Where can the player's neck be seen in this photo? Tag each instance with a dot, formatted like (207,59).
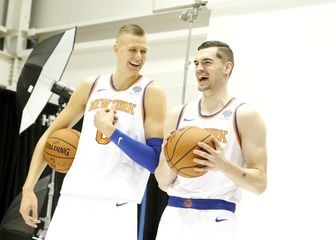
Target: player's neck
(124,81)
(213,102)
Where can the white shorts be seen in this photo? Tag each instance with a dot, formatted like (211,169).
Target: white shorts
(81,217)
(194,224)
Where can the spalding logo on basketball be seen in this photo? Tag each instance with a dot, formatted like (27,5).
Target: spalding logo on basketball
(60,149)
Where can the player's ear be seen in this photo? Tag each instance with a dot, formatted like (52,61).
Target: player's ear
(116,47)
(228,67)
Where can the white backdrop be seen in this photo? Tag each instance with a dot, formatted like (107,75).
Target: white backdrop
(285,65)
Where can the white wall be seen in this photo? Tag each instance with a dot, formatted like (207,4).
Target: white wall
(285,67)
(6,63)
(57,12)
(166,66)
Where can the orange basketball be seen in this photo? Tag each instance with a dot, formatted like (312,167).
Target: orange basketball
(60,149)
(179,150)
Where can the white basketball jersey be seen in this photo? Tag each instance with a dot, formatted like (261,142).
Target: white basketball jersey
(100,168)
(213,184)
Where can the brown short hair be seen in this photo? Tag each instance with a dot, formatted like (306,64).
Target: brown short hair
(131,29)
(224,51)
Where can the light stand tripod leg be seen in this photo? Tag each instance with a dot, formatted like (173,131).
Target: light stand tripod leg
(41,234)
(186,65)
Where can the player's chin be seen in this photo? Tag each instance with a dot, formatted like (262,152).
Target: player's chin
(203,88)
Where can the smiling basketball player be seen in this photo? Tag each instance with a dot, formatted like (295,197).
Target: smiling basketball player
(203,207)
(119,146)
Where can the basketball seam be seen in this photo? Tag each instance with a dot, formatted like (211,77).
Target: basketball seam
(188,151)
(56,168)
(168,159)
(173,152)
(191,166)
(75,132)
(187,129)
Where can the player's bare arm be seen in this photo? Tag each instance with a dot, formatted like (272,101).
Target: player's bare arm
(253,139)
(70,115)
(155,111)
(164,175)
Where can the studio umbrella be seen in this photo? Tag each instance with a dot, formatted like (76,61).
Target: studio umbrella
(41,74)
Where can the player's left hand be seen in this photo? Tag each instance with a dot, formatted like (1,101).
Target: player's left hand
(105,120)
(211,158)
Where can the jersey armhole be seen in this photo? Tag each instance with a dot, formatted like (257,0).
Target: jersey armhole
(143,109)
(235,124)
(180,116)
(93,86)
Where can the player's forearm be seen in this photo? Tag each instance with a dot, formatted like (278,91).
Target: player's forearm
(145,154)
(163,180)
(164,175)
(251,179)
(36,168)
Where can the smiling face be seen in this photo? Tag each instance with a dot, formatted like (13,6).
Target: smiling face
(211,72)
(131,51)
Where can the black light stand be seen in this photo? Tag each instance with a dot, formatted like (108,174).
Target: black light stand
(64,93)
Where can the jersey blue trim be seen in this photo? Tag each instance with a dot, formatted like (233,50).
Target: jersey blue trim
(180,116)
(93,86)
(211,115)
(146,155)
(236,122)
(143,100)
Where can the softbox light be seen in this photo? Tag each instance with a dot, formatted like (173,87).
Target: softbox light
(41,74)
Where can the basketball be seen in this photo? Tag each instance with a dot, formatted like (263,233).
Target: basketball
(179,149)
(60,149)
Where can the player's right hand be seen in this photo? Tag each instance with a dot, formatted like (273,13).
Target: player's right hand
(28,208)
(105,120)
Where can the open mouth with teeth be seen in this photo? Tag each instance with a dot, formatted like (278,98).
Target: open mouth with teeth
(137,65)
(203,78)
